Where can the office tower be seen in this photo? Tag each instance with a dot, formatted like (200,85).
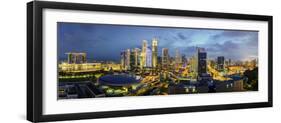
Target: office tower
(154,52)
(198,62)
(143,54)
(137,55)
(123,57)
(132,59)
(193,64)
(202,61)
(227,62)
(178,58)
(220,63)
(148,57)
(199,66)
(165,57)
(128,60)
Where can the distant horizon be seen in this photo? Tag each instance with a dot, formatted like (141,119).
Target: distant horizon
(103,42)
(94,59)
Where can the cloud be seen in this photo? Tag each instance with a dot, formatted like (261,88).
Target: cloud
(230,50)
(181,36)
(106,41)
(230,34)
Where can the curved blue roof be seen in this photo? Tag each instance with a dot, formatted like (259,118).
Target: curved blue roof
(118,80)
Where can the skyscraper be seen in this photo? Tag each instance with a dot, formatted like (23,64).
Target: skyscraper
(184,60)
(199,62)
(143,54)
(123,57)
(128,60)
(178,58)
(202,61)
(200,66)
(137,55)
(220,63)
(193,64)
(148,57)
(132,59)
(165,57)
(154,52)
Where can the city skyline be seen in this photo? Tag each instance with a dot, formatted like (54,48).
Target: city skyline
(153,61)
(93,39)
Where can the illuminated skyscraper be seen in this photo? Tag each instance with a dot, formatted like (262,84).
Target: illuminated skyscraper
(154,52)
(148,57)
(137,57)
(165,57)
(143,54)
(132,59)
(184,61)
(199,62)
(178,58)
(128,60)
(123,59)
(193,64)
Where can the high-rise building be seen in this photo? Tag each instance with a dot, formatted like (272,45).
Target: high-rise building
(199,62)
(148,57)
(184,60)
(128,60)
(202,61)
(70,58)
(165,57)
(201,66)
(193,64)
(154,52)
(132,59)
(76,58)
(178,58)
(143,54)
(123,57)
(137,57)
(220,63)
(229,62)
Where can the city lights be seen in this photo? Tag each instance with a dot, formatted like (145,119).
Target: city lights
(151,67)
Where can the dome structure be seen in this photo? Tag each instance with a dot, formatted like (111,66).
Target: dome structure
(118,80)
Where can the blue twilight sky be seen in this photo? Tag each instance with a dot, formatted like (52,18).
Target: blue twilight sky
(105,42)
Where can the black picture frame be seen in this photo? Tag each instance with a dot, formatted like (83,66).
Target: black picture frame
(35,69)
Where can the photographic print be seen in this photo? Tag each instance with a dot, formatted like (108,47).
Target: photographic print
(107,60)
(84,57)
